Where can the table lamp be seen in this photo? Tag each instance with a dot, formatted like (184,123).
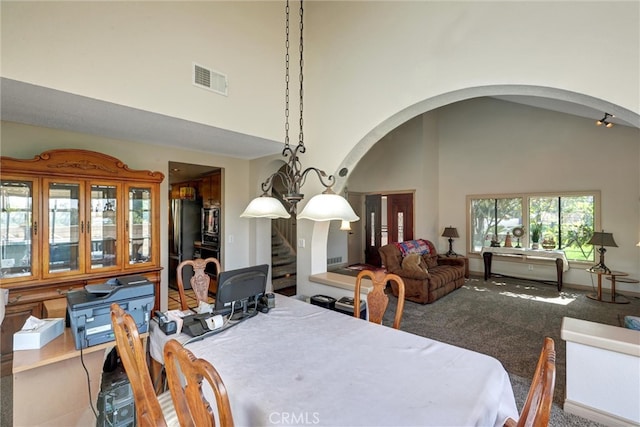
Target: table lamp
(451,233)
(602,239)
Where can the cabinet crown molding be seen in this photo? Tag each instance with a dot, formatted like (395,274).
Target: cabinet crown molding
(78,163)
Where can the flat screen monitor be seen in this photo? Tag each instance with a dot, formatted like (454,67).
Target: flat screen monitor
(240,290)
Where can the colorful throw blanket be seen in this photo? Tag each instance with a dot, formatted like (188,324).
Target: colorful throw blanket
(419,246)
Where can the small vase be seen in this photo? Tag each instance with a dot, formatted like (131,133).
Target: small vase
(534,245)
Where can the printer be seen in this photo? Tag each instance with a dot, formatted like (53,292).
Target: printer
(89,309)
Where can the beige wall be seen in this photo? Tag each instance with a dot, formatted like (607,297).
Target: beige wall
(140,54)
(489,146)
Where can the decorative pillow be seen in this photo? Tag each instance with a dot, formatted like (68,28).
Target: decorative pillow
(419,246)
(630,322)
(414,262)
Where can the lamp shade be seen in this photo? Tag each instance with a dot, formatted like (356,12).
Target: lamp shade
(602,239)
(265,207)
(450,232)
(327,207)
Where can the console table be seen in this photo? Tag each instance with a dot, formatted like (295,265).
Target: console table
(562,264)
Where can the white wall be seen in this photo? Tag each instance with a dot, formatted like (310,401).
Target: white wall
(25,142)
(140,54)
(489,146)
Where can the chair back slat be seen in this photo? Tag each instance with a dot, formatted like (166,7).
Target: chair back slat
(133,356)
(185,375)
(377,299)
(199,281)
(536,410)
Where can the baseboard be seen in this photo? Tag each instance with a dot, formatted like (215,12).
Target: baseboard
(597,415)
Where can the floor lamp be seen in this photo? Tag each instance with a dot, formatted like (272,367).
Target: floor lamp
(451,233)
(601,239)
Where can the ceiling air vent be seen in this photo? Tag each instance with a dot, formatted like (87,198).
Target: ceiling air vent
(207,78)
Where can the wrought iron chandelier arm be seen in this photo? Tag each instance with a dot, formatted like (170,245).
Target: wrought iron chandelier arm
(267,185)
(322,175)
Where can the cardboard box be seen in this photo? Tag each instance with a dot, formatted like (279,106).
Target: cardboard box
(39,337)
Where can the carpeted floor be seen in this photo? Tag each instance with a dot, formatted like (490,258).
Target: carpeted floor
(508,319)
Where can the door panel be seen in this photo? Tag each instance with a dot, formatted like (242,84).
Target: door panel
(400,217)
(373,229)
(354,238)
(399,222)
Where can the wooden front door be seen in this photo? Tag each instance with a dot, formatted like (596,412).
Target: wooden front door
(396,226)
(400,217)
(373,229)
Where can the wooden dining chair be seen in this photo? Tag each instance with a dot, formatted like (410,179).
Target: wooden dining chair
(192,407)
(377,299)
(537,408)
(200,280)
(151,410)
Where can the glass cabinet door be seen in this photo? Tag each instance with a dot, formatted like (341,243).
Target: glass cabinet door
(18,229)
(64,224)
(103,226)
(140,225)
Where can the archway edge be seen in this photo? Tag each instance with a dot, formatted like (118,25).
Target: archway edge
(319,231)
(432,103)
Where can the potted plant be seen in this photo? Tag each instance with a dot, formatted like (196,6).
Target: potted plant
(549,242)
(536,229)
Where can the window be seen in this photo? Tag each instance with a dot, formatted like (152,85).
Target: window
(566,221)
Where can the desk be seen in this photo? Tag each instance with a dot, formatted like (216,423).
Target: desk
(50,384)
(302,364)
(562,264)
(611,275)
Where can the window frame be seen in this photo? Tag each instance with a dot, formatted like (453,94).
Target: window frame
(526,214)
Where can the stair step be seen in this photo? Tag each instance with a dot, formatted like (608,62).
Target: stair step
(283,271)
(282,260)
(283,282)
(282,250)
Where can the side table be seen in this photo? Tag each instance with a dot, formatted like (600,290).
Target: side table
(611,275)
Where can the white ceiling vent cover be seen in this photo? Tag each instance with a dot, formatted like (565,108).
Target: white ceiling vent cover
(207,78)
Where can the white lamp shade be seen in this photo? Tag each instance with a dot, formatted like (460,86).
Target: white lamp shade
(327,207)
(265,207)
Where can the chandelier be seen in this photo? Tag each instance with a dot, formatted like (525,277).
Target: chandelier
(322,207)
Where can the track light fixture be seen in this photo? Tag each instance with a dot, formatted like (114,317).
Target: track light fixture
(604,121)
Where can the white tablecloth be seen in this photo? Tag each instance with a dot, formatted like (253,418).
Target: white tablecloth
(530,253)
(304,365)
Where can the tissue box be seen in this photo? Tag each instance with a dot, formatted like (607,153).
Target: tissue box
(39,337)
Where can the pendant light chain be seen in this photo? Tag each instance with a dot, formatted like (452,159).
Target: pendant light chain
(286,80)
(301,137)
(323,207)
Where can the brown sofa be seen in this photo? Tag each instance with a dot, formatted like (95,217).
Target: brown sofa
(443,275)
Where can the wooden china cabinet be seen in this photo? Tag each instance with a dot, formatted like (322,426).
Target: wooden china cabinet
(69,218)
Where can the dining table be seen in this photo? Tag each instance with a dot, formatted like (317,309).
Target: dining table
(302,364)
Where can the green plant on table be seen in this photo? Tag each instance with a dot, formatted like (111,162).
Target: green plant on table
(536,230)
